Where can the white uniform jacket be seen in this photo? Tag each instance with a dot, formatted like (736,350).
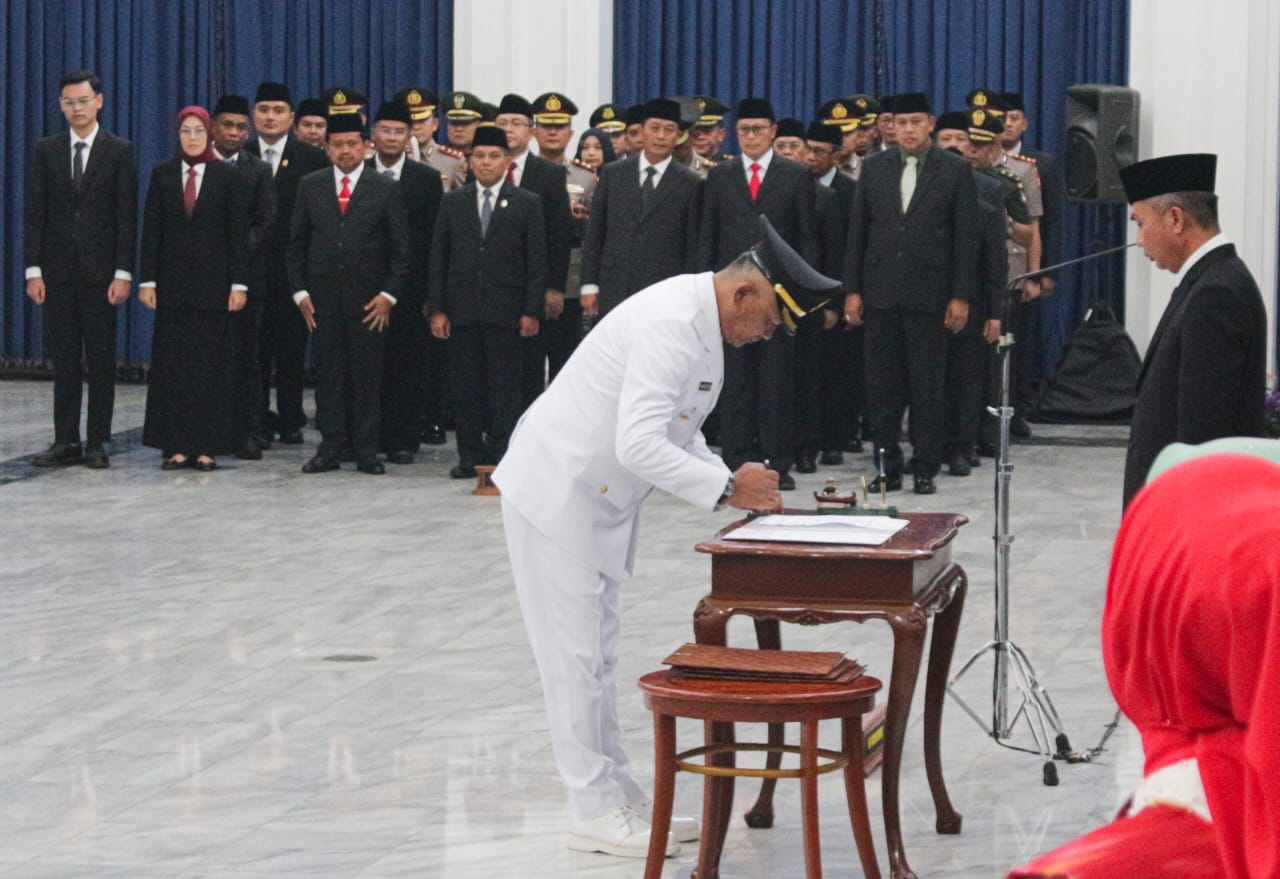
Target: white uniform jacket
(623,417)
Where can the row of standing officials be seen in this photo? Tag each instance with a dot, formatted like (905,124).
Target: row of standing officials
(456,280)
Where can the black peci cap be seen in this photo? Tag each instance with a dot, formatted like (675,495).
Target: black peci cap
(273,91)
(957,120)
(820,131)
(394,111)
(312,107)
(661,108)
(490,135)
(343,123)
(1188,172)
(756,108)
(237,104)
(911,102)
(788,127)
(515,104)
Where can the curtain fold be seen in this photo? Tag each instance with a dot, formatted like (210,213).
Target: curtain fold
(154,56)
(799,52)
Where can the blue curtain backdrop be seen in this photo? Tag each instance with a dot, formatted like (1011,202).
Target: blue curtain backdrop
(154,56)
(801,52)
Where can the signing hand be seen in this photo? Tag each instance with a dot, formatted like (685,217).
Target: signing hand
(755,488)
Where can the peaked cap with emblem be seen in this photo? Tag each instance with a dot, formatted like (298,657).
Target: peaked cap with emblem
(984,125)
(609,117)
(420,100)
(553,108)
(987,100)
(711,111)
(462,107)
(342,100)
(840,114)
(799,287)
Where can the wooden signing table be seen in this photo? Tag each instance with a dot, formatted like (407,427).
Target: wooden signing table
(903,582)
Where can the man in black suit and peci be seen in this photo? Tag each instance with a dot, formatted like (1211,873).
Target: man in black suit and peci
(81,234)
(348,265)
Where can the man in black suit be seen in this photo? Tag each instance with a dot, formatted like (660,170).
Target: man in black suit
(644,217)
(284,334)
(756,410)
(408,355)
(910,270)
(547,181)
(828,376)
(81,232)
(1204,376)
(349,263)
(230,131)
(488,284)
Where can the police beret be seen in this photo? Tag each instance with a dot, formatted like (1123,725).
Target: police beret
(490,136)
(1188,172)
(273,91)
(238,104)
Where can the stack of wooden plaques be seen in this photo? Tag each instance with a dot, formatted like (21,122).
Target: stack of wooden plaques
(740,664)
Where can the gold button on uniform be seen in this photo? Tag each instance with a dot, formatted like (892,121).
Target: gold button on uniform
(604,489)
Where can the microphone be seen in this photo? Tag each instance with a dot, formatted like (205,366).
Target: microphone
(1053,268)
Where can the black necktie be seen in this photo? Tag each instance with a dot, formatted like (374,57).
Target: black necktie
(646,189)
(77,165)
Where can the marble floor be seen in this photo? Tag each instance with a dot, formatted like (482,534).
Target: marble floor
(256,673)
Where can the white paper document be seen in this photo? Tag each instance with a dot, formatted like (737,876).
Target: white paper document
(851,530)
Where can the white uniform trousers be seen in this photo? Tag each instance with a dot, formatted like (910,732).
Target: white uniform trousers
(571,612)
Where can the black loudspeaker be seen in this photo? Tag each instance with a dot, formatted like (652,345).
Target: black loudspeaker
(1102,137)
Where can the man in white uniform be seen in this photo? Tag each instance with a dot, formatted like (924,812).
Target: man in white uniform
(622,418)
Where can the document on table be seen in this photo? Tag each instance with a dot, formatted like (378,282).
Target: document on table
(850,530)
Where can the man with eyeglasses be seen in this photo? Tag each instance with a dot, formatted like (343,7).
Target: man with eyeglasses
(757,409)
(547,181)
(81,232)
(407,359)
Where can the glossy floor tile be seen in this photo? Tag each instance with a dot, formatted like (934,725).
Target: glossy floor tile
(257,673)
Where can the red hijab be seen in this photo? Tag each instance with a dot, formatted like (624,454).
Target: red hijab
(1191,642)
(203,115)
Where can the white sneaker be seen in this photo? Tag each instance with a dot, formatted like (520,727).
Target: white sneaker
(623,832)
(683,828)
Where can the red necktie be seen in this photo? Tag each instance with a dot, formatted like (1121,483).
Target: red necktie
(754,185)
(344,197)
(511,173)
(189,193)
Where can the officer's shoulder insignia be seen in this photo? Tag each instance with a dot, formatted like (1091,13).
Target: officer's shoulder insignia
(578,163)
(1019,158)
(451,152)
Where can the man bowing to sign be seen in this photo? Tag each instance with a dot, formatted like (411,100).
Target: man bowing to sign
(623,417)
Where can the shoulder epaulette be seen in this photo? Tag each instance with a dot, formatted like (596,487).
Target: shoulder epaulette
(451,152)
(710,163)
(1021,158)
(581,164)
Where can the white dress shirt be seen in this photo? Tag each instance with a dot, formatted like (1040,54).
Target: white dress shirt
(763,162)
(278,146)
(396,170)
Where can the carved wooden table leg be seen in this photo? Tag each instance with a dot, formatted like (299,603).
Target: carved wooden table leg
(768,637)
(945,625)
(908,645)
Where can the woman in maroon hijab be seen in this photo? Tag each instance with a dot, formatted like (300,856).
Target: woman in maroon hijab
(194,244)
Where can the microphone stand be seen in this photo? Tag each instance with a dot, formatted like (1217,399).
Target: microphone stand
(1034,704)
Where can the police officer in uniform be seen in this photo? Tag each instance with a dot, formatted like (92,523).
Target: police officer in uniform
(449,163)
(690,113)
(553,117)
(613,119)
(463,113)
(708,132)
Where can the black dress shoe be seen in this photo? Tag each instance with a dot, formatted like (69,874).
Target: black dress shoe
(958,464)
(59,455)
(204,466)
(372,466)
(924,485)
(400,457)
(892,482)
(786,482)
(1019,427)
(986,450)
(805,463)
(433,435)
(854,445)
(320,464)
(95,458)
(172,463)
(263,439)
(832,458)
(975,460)
(462,471)
(291,437)
(249,449)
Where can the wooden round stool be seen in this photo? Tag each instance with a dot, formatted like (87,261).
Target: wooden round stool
(721,704)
